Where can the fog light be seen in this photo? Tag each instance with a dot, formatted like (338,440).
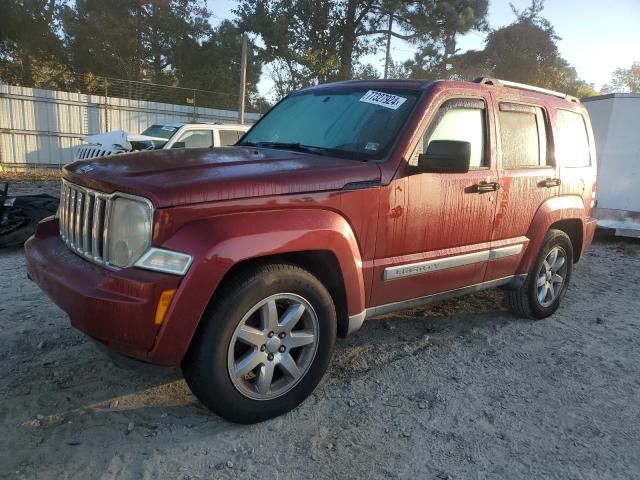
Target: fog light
(165,261)
(163,305)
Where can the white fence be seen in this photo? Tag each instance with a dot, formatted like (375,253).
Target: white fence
(41,128)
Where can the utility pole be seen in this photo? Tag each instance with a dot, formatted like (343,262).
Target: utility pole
(243,79)
(388,57)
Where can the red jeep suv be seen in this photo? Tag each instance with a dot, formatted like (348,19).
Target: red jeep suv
(346,201)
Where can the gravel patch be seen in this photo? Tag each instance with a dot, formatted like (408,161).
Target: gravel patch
(459,390)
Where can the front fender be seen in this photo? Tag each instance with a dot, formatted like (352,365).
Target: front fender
(551,211)
(220,242)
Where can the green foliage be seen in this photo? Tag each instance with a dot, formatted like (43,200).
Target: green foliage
(131,39)
(365,72)
(69,44)
(66,45)
(303,38)
(30,50)
(625,80)
(315,41)
(214,65)
(525,51)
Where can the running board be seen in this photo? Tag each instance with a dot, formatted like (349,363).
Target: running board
(356,321)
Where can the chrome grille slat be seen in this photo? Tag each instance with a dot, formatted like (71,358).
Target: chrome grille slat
(68,224)
(77,238)
(72,217)
(98,222)
(105,238)
(86,226)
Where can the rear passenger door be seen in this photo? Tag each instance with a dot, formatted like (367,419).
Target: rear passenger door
(528,178)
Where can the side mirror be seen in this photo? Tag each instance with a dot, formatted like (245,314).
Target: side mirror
(179,145)
(445,156)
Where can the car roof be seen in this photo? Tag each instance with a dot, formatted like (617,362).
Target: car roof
(481,83)
(208,124)
(216,125)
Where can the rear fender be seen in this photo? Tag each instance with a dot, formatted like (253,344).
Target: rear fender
(219,243)
(552,211)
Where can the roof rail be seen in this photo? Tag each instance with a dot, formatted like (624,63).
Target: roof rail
(523,86)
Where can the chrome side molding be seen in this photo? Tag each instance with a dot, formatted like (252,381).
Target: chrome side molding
(420,268)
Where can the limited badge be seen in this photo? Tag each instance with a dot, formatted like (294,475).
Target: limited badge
(86,168)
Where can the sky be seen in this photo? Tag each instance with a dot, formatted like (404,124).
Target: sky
(596,37)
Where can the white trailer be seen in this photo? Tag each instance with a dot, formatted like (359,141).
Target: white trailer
(616,125)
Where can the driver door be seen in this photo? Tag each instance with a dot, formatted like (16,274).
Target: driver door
(435,228)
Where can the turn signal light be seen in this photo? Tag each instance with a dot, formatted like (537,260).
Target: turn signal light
(163,305)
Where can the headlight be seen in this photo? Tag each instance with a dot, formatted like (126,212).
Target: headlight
(129,231)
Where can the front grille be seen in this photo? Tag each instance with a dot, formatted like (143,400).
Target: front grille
(87,152)
(83,219)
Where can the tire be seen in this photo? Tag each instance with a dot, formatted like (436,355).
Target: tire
(526,300)
(218,352)
(23,217)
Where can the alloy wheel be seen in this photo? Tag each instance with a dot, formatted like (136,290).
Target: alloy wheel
(273,346)
(551,277)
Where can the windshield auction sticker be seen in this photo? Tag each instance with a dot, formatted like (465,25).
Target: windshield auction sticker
(383,99)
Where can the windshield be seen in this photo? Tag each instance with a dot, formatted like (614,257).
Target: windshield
(147,145)
(160,131)
(360,124)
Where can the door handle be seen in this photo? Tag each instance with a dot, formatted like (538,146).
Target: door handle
(487,187)
(550,182)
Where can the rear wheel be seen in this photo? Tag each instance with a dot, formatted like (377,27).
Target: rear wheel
(548,279)
(264,346)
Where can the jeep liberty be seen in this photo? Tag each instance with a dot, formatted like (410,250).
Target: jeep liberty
(346,201)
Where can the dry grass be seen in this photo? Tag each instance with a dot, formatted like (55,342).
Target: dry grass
(30,174)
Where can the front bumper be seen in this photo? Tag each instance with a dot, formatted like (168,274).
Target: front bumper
(116,308)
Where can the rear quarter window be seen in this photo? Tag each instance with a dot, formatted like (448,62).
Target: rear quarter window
(571,140)
(229,137)
(522,136)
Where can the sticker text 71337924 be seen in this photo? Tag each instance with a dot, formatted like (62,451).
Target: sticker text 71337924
(387,100)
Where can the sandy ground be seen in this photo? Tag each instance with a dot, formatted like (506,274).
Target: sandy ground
(462,390)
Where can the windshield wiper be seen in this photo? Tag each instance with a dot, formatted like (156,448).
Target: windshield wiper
(297,147)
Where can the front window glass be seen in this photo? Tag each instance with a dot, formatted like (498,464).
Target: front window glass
(197,139)
(160,131)
(461,124)
(359,124)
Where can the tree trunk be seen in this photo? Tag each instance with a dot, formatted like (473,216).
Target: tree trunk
(348,42)
(27,68)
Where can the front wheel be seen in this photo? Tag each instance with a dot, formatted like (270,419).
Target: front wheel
(548,279)
(264,345)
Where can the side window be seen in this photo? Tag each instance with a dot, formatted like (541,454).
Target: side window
(523,136)
(461,123)
(228,137)
(572,143)
(197,139)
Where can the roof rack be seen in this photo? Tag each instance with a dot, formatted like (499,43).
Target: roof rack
(523,86)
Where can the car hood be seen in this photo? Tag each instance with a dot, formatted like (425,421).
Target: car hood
(181,177)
